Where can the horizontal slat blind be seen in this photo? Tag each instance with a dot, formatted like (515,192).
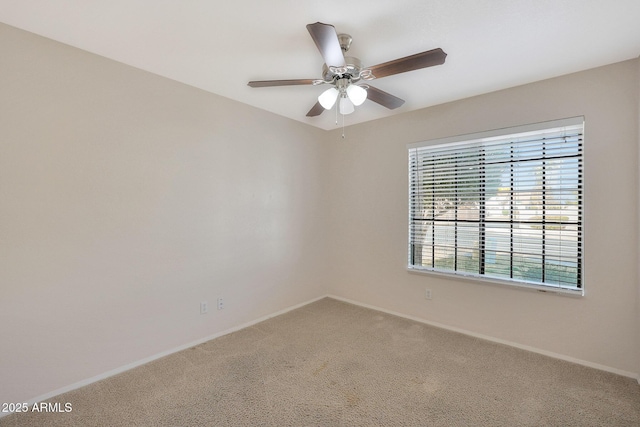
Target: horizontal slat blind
(505,206)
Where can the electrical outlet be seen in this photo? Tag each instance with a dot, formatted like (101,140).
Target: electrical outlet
(204,307)
(220,303)
(427,293)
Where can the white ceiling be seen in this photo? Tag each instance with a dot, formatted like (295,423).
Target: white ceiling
(220,45)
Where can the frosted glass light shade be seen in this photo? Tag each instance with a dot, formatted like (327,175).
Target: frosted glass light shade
(356,94)
(346,106)
(328,98)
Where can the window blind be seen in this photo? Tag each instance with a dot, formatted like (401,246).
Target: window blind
(505,204)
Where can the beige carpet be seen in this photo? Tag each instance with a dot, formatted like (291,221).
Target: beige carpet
(335,364)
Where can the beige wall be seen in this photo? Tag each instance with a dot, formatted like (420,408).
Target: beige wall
(638,221)
(369,220)
(125,200)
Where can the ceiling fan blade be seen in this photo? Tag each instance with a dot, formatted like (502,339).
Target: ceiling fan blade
(383,98)
(267,83)
(326,39)
(409,63)
(316,110)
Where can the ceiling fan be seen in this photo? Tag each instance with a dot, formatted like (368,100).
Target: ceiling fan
(344,73)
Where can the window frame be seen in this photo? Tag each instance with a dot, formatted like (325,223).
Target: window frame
(480,276)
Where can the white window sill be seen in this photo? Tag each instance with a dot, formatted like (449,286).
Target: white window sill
(496,281)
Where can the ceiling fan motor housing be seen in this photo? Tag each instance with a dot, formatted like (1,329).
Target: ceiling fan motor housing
(351,70)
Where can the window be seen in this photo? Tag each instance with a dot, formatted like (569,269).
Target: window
(504,205)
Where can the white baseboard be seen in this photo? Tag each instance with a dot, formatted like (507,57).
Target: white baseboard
(497,340)
(137,363)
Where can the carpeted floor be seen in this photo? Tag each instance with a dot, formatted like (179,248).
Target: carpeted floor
(334,364)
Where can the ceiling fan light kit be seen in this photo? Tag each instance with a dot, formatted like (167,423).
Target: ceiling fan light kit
(344,72)
(345,90)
